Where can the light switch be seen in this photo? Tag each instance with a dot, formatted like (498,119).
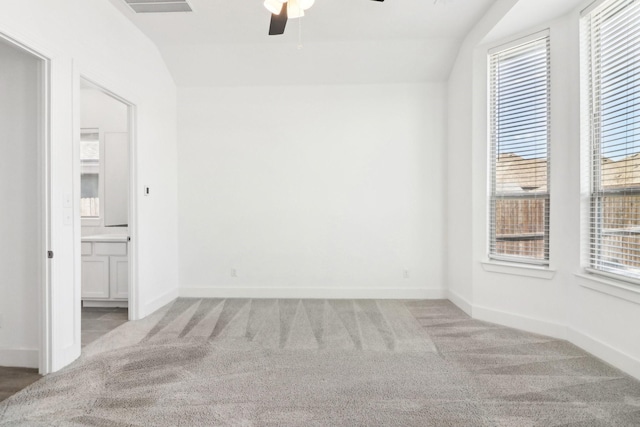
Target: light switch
(67,218)
(146,190)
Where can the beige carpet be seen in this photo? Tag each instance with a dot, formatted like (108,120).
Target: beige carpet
(325,363)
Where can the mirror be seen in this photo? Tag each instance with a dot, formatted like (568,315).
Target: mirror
(116,179)
(104,158)
(90,173)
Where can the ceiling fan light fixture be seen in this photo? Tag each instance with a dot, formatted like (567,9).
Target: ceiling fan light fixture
(274,6)
(294,10)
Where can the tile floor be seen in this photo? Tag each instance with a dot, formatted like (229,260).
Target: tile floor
(12,380)
(98,321)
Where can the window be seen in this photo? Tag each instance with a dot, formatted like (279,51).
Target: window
(611,38)
(519,84)
(89,174)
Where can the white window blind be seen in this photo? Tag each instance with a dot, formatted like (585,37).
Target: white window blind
(611,42)
(519,136)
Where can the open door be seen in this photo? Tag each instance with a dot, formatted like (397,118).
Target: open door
(105,205)
(24,212)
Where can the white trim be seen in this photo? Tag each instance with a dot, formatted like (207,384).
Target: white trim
(134,291)
(313,293)
(527,270)
(158,303)
(74,351)
(462,303)
(64,357)
(135,312)
(520,41)
(597,348)
(517,321)
(609,354)
(615,277)
(44,306)
(518,260)
(19,358)
(593,6)
(616,288)
(44,169)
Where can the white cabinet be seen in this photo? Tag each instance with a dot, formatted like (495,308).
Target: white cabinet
(119,277)
(95,277)
(105,271)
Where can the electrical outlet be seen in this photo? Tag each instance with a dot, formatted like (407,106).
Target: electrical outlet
(234,273)
(405,274)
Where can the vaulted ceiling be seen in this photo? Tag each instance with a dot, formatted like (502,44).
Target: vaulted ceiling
(225,43)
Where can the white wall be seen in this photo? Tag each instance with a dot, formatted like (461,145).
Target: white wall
(93,39)
(19,218)
(105,113)
(564,301)
(324,191)
(101,111)
(459,183)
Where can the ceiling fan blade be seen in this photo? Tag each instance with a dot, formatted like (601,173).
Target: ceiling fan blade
(278,22)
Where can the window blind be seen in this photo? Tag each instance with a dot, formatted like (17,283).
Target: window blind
(519,122)
(611,42)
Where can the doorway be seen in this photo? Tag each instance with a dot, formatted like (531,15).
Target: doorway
(105,210)
(24,217)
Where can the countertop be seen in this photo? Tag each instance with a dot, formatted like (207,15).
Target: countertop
(106,238)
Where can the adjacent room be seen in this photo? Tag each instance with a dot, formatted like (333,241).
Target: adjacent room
(319,213)
(104,211)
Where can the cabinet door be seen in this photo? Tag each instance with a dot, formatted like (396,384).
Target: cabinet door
(95,277)
(119,277)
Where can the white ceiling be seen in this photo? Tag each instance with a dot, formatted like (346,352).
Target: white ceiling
(529,14)
(344,41)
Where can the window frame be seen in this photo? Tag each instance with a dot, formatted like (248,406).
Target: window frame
(493,194)
(592,141)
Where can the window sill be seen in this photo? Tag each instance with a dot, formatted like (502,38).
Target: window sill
(616,288)
(515,269)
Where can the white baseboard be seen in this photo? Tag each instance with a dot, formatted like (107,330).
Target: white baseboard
(604,351)
(313,293)
(158,303)
(19,358)
(517,321)
(462,303)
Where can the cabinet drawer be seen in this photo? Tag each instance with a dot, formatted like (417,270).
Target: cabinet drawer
(102,248)
(86,248)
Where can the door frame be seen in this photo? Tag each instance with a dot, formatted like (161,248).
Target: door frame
(132,250)
(43,263)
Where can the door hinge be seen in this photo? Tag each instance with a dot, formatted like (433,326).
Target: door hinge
(49,254)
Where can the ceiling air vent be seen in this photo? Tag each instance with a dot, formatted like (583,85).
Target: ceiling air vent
(159,6)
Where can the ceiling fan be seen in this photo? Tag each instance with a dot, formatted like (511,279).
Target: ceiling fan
(282,10)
